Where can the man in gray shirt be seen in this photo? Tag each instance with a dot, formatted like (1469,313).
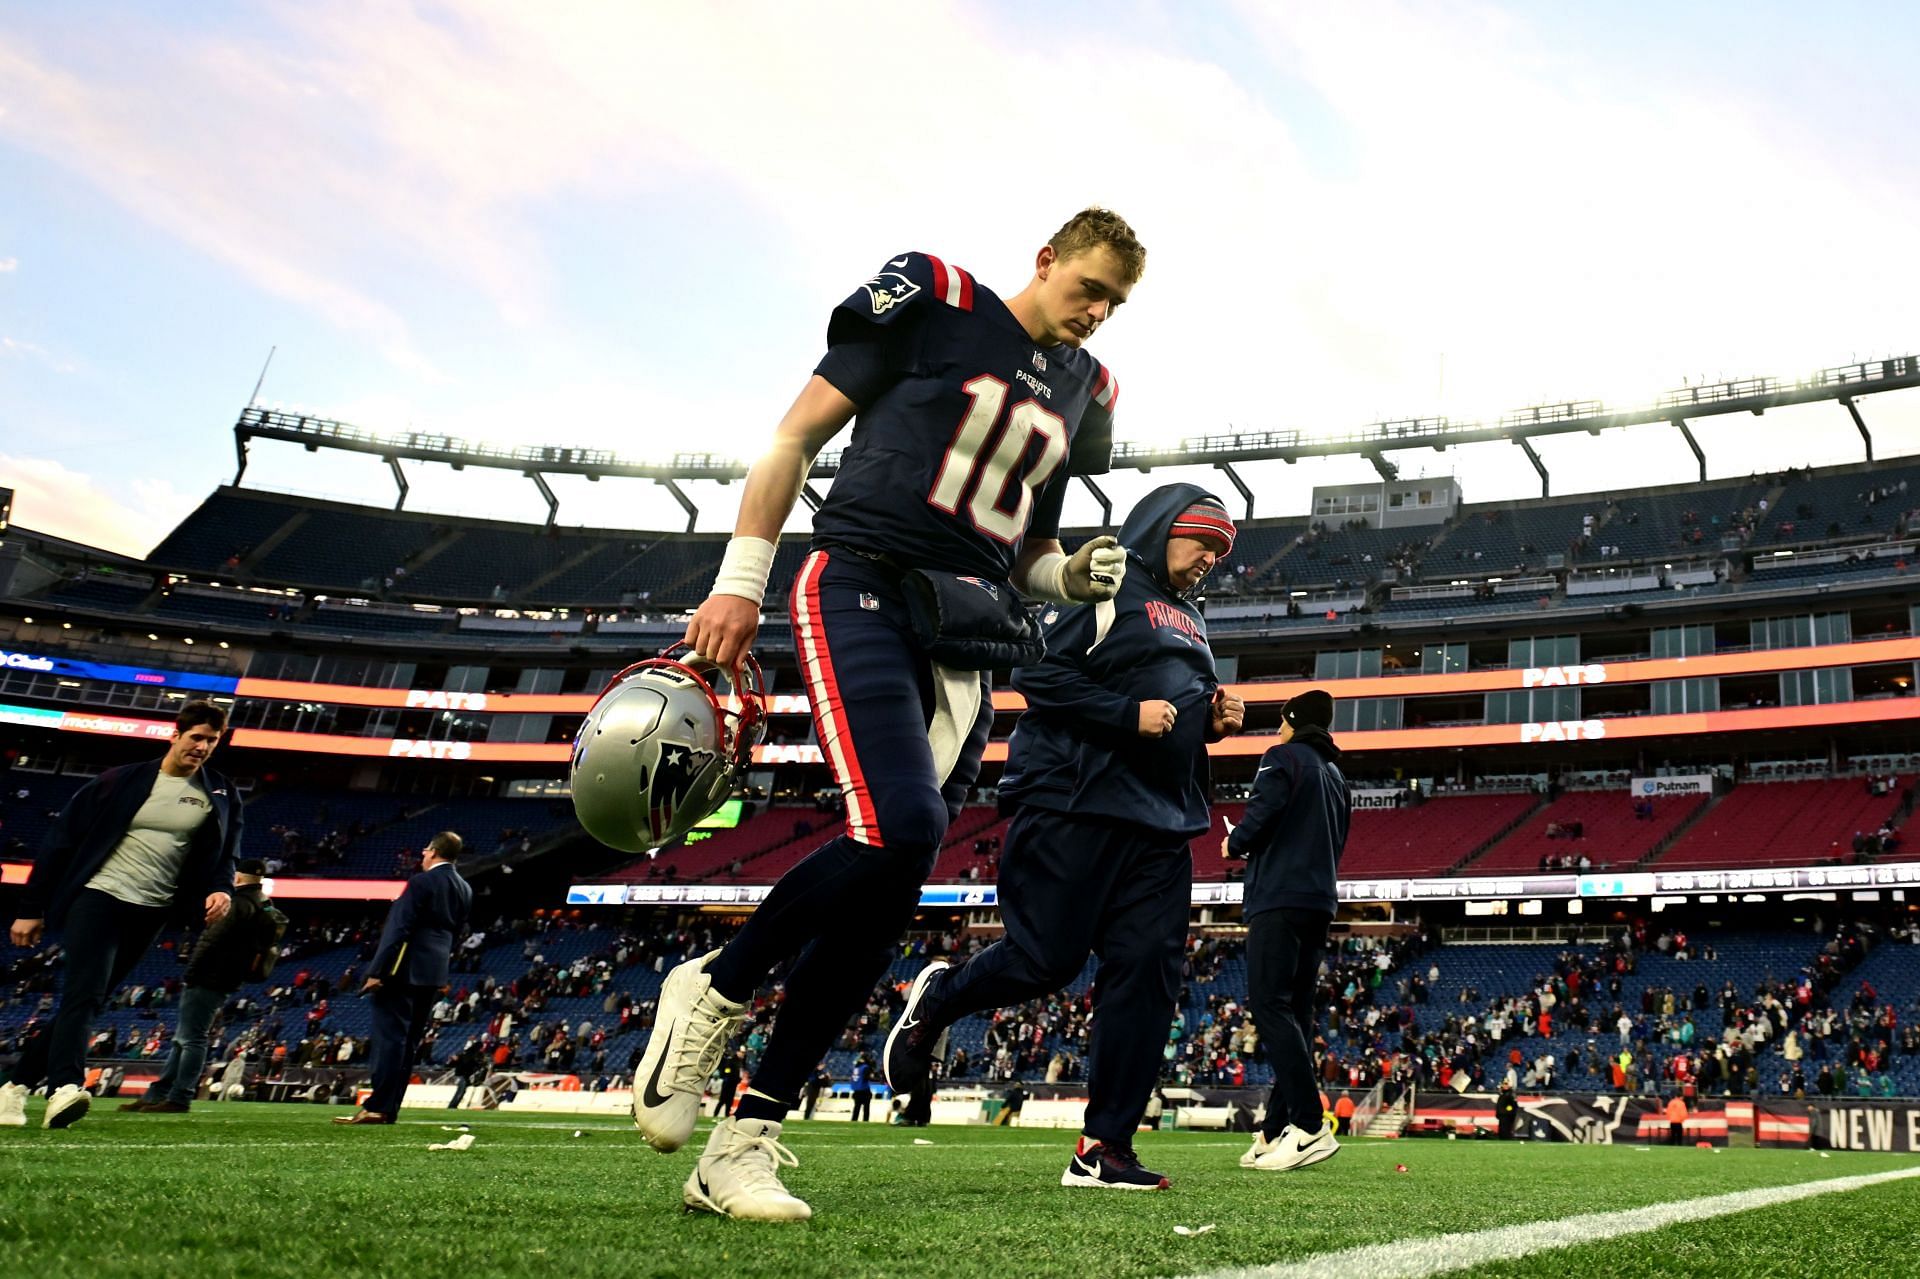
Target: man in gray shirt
(133,845)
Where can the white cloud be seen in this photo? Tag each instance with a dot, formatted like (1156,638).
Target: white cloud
(20,349)
(50,498)
(9,265)
(1507,221)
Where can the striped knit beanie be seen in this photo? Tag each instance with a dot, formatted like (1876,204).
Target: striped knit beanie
(1205,518)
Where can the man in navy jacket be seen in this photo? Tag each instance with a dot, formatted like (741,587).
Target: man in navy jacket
(409,968)
(133,846)
(1292,835)
(1107,779)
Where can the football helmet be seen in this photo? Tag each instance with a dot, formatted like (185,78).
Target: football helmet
(663,746)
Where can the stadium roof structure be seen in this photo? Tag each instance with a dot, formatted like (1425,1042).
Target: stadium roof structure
(1842,383)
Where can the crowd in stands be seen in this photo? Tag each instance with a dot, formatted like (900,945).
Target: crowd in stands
(1575,1027)
(565,995)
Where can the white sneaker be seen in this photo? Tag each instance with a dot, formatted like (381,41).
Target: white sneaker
(1260,1147)
(739,1174)
(1296,1149)
(67,1107)
(13,1105)
(690,1031)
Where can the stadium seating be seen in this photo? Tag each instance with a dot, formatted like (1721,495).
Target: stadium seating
(347,548)
(1430,839)
(312,832)
(1489,972)
(610,573)
(1493,538)
(1800,823)
(713,856)
(28,804)
(234,609)
(1812,508)
(1613,837)
(352,619)
(476,560)
(227,527)
(1867,565)
(1452,606)
(96,593)
(1339,554)
(1675,522)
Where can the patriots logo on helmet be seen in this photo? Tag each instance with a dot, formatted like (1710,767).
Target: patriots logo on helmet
(991,588)
(673,781)
(888,290)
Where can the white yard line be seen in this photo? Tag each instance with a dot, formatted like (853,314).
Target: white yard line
(1440,1254)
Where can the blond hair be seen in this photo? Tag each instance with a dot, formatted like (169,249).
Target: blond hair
(1094,226)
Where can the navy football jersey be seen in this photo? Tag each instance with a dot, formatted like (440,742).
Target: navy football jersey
(966,431)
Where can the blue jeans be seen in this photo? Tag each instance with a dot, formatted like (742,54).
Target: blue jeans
(199,1005)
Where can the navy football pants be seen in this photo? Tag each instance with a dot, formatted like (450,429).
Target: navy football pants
(843,908)
(1070,886)
(1284,949)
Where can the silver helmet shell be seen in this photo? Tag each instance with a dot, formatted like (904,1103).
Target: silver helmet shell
(662,748)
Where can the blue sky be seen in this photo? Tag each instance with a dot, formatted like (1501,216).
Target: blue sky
(622,225)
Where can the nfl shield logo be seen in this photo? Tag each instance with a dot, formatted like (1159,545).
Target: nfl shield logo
(869,602)
(1039,362)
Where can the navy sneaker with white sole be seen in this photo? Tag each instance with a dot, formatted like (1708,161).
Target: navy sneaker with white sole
(1111,1166)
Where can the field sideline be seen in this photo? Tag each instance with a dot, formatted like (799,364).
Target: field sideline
(277,1190)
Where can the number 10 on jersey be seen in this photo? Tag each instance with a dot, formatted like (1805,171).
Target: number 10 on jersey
(989,472)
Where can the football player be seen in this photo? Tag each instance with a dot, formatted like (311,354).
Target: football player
(970,412)
(1108,780)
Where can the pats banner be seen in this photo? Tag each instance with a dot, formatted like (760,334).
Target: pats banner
(1838,1124)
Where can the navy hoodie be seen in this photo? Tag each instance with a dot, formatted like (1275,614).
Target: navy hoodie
(1077,748)
(1295,827)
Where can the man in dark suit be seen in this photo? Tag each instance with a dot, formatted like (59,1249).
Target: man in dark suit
(409,969)
(134,845)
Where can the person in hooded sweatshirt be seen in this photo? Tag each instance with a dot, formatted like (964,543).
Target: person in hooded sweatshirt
(1291,837)
(1107,782)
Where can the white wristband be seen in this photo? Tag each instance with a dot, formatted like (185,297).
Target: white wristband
(1047,579)
(745,568)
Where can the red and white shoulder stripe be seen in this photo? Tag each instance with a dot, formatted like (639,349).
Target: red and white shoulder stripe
(951,284)
(1106,388)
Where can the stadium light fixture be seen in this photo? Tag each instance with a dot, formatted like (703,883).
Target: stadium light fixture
(152,636)
(27,620)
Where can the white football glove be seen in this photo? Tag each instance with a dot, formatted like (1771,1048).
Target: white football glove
(1096,570)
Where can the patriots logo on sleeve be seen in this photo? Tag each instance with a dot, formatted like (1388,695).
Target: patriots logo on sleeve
(888,290)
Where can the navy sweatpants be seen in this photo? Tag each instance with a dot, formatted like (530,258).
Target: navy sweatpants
(1284,950)
(1072,885)
(843,908)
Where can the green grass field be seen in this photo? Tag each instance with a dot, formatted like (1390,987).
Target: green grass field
(251,1189)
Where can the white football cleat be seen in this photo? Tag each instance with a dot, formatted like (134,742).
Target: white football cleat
(13,1105)
(690,1031)
(1296,1149)
(67,1107)
(739,1174)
